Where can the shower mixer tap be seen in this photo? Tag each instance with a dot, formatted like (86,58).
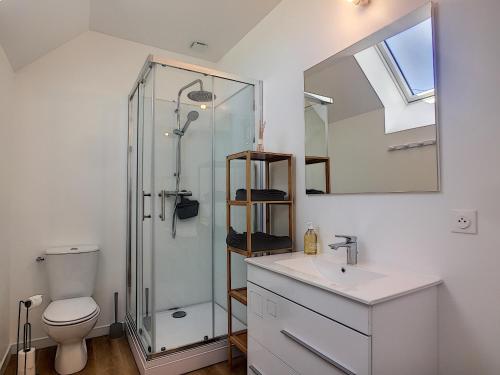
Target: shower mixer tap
(179,193)
(171,193)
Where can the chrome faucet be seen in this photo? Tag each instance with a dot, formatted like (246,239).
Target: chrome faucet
(351,244)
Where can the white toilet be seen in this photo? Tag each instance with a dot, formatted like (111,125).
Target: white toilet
(73,312)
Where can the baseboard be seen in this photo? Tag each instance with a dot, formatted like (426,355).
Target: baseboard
(5,361)
(45,342)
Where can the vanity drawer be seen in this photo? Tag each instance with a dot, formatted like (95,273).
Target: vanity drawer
(306,341)
(340,309)
(263,362)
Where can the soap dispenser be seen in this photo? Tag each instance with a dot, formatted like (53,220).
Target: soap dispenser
(310,240)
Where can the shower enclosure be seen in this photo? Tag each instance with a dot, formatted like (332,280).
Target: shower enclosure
(183,121)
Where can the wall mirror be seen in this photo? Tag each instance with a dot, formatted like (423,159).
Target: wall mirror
(370,114)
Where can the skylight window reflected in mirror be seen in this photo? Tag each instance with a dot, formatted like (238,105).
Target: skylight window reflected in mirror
(409,56)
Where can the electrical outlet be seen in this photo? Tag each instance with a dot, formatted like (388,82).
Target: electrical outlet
(464,221)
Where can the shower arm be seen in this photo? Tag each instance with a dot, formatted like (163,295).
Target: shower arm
(182,90)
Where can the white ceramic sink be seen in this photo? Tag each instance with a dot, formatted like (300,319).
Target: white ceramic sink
(366,283)
(340,274)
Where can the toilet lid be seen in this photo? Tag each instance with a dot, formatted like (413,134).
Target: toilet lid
(70,310)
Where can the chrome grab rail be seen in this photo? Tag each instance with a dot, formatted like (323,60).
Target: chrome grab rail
(162,202)
(170,193)
(254,370)
(143,196)
(164,194)
(316,352)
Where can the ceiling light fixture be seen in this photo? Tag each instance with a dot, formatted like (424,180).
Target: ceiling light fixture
(203,106)
(359,2)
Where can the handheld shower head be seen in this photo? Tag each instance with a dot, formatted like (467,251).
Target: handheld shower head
(191,116)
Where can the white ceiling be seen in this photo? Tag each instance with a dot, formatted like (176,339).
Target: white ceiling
(31,28)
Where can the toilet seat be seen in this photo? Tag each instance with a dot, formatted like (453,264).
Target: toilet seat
(70,311)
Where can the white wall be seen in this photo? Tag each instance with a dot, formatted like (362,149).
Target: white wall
(409,231)
(360,160)
(68,162)
(6,79)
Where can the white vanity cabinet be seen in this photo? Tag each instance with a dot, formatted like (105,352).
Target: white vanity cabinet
(297,328)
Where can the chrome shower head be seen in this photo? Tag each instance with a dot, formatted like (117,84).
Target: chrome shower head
(191,116)
(196,96)
(201,96)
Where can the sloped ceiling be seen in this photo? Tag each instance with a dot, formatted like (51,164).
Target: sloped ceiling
(345,82)
(31,28)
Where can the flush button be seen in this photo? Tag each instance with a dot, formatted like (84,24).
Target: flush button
(256,303)
(271,308)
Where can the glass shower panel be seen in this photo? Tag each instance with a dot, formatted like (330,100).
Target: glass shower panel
(145,177)
(132,207)
(233,132)
(183,177)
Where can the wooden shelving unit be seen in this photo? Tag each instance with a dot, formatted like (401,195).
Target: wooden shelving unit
(239,294)
(239,339)
(325,160)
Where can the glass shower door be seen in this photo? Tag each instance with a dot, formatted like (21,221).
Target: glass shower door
(183,225)
(145,213)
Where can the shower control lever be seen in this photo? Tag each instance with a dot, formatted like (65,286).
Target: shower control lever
(180,193)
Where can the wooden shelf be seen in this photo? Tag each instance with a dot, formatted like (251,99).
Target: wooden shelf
(253,252)
(260,156)
(326,161)
(239,294)
(238,251)
(317,159)
(240,340)
(244,203)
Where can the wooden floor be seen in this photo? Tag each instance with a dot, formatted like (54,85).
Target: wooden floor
(239,368)
(113,357)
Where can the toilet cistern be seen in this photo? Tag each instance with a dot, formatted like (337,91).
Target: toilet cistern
(72,312)
(351,244)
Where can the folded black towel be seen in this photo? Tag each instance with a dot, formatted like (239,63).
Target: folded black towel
(261,195)
(260,241)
